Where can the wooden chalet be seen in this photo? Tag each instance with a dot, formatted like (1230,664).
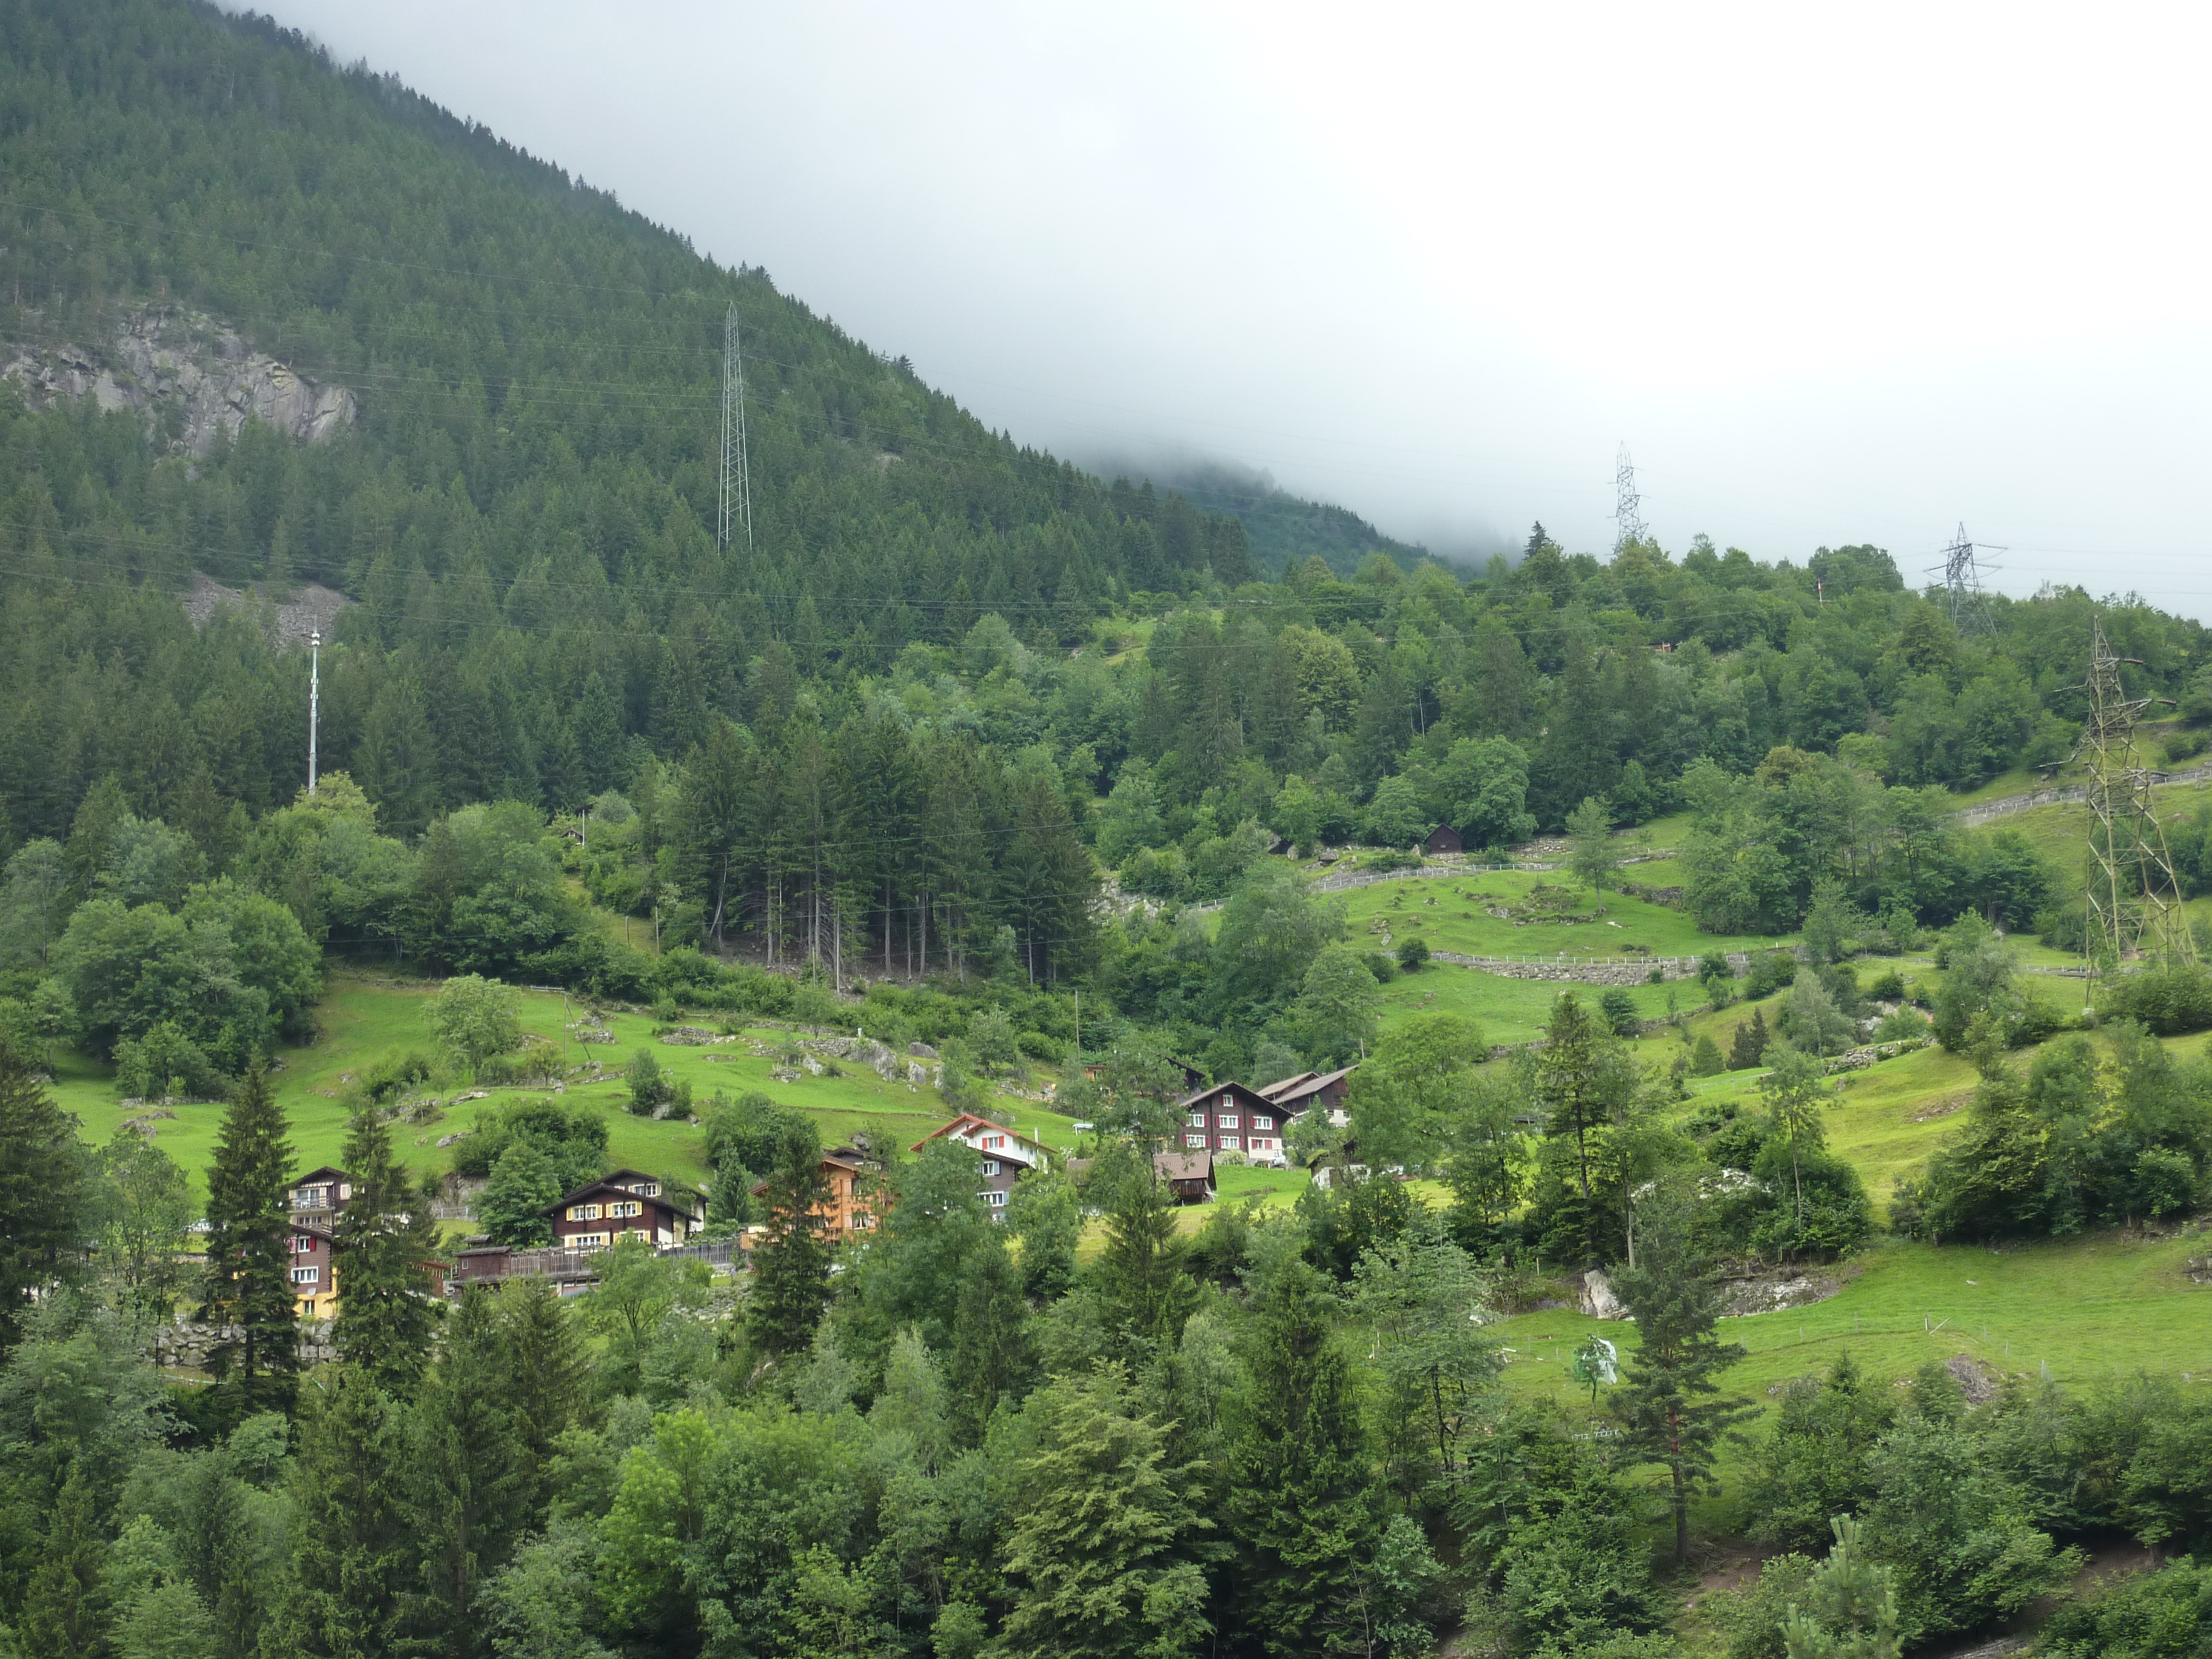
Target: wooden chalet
(1294,1096)
(1004,1155)
(600,1212)
(1442,839)
(314,1203)
(1229,1117)
(1188,1174)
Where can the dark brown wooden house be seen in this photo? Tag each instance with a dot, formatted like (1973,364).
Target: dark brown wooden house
(1442,839)
(1294,1096)
(1188,1175)
(1229,1117)
(598,1212)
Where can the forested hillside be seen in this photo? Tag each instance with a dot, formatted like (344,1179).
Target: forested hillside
(964,780)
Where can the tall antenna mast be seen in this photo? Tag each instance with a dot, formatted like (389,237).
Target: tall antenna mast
(736,504)
(314,700)
(1962,585)
(2135,904)
(1627,509)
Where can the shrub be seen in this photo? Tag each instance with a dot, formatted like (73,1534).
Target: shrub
(2172,1001)
(1381,966)
(1888,987)
(1412,954)
(164,1062)
(1706,1057)
(572,1138)
(652,1093)
(1770,971)
(1618,1009)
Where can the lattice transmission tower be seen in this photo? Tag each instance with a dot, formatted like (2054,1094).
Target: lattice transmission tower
(1962,585)
(1627,505)
(737,506)
(2135,904)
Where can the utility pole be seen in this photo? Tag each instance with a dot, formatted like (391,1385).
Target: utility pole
(1627,505)
(2135,904)
(314,700)
(1962,585)
(736,511)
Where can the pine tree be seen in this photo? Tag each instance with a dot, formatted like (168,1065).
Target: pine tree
(384,1239)
(470,1493)
(42,1189)
(247,1289)
(354,1557)
(1300,1503)
(1666,1402)
(791,1268)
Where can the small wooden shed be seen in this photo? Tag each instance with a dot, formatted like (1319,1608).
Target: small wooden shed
(1442,839)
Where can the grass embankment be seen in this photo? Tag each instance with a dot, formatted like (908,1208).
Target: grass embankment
(363,1021)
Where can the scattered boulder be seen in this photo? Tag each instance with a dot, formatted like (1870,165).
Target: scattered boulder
(1597,1299)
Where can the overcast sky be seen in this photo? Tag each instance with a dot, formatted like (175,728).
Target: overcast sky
(1833,274)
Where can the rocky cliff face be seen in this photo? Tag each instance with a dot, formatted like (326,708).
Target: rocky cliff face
(158,359)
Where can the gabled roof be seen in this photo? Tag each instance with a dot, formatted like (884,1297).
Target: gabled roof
(973,1123)
(1183,1166)
(1291,1090)
(612,1184)
(331,1170)
(1256,1096)
(1270,1090)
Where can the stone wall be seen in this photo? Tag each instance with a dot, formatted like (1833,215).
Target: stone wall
(184,1343)
(1571,970)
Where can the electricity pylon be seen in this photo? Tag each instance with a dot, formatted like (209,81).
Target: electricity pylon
(1627,505)
(2135,904)
(737,503)
(1962,586)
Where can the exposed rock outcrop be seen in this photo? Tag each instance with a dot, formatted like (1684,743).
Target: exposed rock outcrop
(189,374)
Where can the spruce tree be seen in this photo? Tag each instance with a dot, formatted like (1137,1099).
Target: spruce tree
(1140,1276)
(1667,1403)
(385,1238)
(1581,1079)
(354,1555)
(790,1267)
(470,1494)
(42,1189)
(247,1289)
(1100,1537)
(1749,1045)
(1850,1610)
(62,1606)
(547,1387)
(991,1361)
(1301,1503)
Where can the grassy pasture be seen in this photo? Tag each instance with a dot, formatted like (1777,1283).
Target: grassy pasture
(361,1021)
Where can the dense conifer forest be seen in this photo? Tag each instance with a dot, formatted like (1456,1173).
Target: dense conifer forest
(963,743)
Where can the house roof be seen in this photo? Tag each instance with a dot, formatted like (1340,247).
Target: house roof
(850,1159)
(613,1183)
(1291,1090)
(328,1169)
(1183,1166)
(1257,1098)
(968,1123)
